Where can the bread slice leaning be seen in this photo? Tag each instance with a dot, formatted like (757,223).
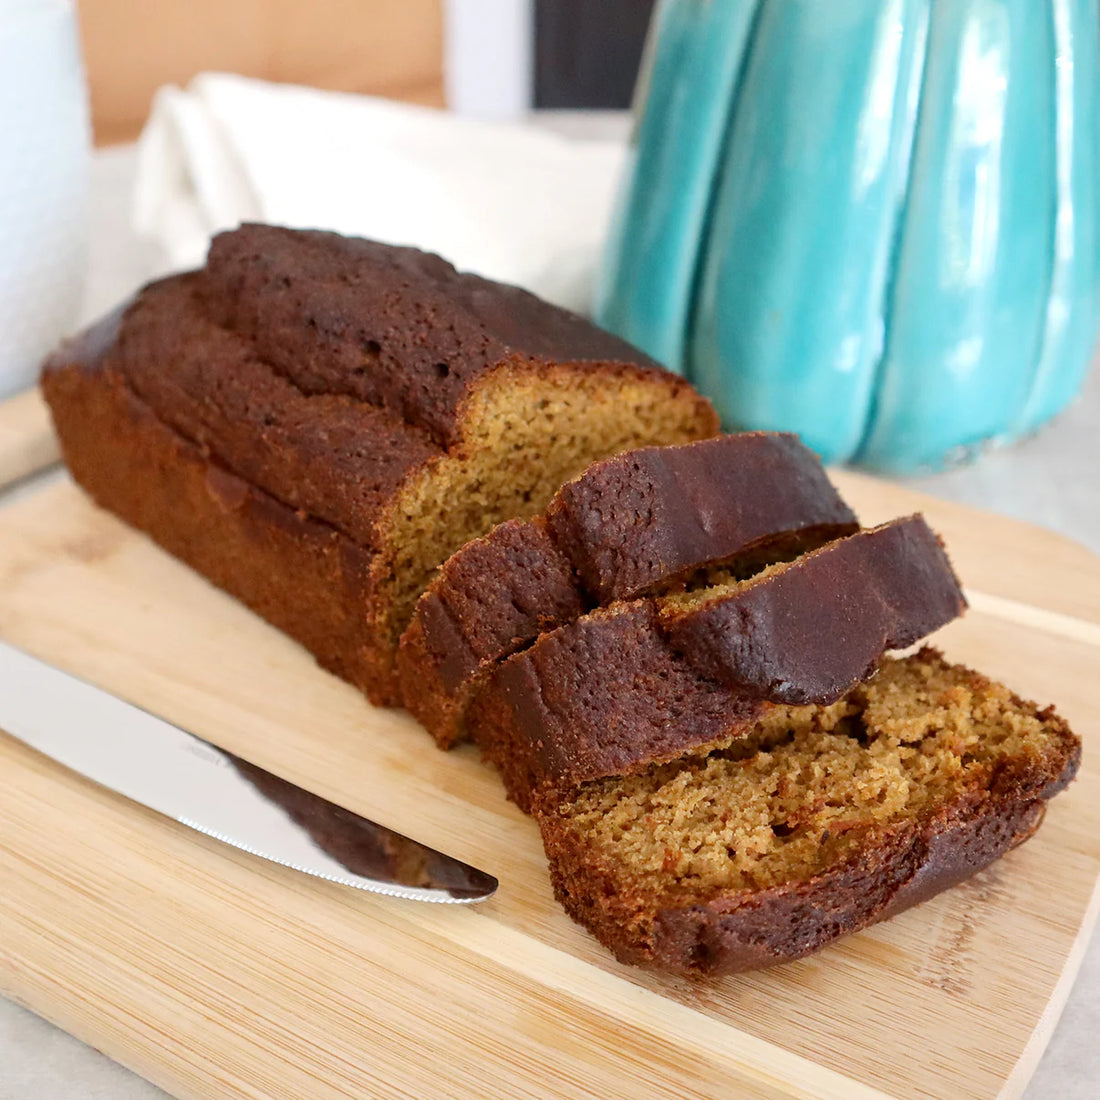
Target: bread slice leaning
(626,524)
(649,680)
(316,422)
(815,823)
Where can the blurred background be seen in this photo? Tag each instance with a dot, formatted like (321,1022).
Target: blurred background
(914,187)
(919,184)
(483,58)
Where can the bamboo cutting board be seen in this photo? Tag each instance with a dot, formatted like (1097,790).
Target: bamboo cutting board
(26,441)
(215,974)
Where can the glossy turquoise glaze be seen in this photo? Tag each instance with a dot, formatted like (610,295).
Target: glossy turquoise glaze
(687,84)
(893,246)
(797,260)
(1069,328)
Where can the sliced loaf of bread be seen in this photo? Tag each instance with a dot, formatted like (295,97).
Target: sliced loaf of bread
(646,681)
(316,422)
(626,524)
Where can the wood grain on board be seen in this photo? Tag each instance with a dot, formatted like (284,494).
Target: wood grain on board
(215,974)
(27,442)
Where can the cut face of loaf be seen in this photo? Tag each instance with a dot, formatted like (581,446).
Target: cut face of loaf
(636,683)
(820,821)
(368,395)
(626,524)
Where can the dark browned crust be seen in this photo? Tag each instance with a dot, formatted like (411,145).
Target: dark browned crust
(329,463)
(336,457)
(492,596)
(284,408)
(905,865)
(624,525)
(635,520)
(495,594)
(809,631)
(301,575)
(392,327)
(332,458)
(633,684)
(602,696)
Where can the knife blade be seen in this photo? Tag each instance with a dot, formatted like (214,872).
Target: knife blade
(150,761)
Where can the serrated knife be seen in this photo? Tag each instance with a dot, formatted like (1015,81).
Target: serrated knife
(152,762)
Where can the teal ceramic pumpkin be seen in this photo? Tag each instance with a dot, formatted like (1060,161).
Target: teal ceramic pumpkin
(872,222)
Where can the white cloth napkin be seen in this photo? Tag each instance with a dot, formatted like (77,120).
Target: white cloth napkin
(510,202)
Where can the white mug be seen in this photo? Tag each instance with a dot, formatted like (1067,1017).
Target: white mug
(44,163)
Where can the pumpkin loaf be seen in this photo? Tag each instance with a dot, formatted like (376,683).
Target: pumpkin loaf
(649,680)
(354,413)
(818,822)
(626,524)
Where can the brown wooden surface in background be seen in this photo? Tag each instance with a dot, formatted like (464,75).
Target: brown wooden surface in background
(381,47)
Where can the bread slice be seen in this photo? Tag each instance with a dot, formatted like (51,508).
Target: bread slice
(371,394)
(820,821)
(641,682)
(626,524)
(806,631)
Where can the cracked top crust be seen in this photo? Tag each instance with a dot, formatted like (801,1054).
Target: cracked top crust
(394,327)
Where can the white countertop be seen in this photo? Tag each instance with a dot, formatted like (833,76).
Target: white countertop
(1053,480)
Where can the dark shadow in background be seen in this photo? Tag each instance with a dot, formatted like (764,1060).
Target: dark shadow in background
(587,53)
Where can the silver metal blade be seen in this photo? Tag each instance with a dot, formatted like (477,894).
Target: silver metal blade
(183,777)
